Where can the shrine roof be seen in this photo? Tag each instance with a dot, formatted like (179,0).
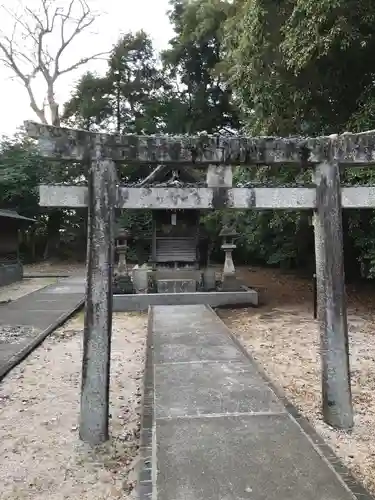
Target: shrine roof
(11,214)
(167,175)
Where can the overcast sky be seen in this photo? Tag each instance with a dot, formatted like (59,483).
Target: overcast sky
(120,16)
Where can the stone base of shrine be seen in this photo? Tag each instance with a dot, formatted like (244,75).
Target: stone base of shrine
(10,273)
(176,286)
(141,301)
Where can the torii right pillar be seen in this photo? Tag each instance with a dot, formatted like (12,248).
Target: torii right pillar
(331,301)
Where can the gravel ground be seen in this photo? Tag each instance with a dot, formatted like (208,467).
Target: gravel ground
(16,333)
(42,457)
(283,338)
(39,401)
(24,287)
(51,267)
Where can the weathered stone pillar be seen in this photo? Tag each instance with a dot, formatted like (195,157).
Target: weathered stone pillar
(209,280)
(228,263)
(93,427)
(219,176)
(229,282)
(332,315)
(140,279)
(122,248)
(319,257)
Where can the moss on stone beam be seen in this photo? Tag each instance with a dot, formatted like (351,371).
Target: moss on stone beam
(71,144)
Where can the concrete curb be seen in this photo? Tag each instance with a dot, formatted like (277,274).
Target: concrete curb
(358,491)
(30,276)
(21,355)
(146,463)
(5,302)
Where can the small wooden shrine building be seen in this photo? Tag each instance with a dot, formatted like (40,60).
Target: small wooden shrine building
(175,233)
(11,269)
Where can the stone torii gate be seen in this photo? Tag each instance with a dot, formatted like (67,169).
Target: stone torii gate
(103,194)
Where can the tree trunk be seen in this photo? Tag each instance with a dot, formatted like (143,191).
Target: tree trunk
(53,106)
(118,106)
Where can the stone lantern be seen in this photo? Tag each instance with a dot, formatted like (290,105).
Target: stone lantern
(122,238)
(122,280)
(229,236)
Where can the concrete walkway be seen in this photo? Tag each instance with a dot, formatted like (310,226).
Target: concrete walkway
(25,322)
(213,429)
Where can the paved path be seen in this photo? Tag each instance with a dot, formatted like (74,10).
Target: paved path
(213,429)
(29,319)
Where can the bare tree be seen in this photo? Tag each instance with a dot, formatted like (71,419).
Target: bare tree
(27,51)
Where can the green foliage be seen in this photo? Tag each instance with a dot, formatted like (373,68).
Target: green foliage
(20,172)
(195,57)
(275,238)
(255,68)
(139,223)
(134,96)
(303,67)
(288,61)
(134,81)
(89,106)
(280,67)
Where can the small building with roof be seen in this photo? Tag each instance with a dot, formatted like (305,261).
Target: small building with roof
(11,268)
(175,233)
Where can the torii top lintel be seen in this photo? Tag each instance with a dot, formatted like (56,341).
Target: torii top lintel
(72,144)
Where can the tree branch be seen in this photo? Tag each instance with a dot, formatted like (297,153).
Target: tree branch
(43,29)
(82,61)
(83,22)
(34,26)
(10,62)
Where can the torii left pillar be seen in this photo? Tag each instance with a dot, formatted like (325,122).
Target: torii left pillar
(102,189)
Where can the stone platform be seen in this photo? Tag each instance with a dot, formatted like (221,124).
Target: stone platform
(142,301)
(213,428)
(178,274)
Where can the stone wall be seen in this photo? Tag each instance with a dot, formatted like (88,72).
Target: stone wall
(10,272)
